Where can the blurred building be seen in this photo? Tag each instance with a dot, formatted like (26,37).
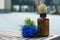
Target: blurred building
(17,6)
(23,5)
(52,3)
(26,5)
(5,5)
(57,3)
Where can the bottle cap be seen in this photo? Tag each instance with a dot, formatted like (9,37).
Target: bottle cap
(43,15)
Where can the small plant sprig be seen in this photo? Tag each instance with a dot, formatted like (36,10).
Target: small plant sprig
(29,22)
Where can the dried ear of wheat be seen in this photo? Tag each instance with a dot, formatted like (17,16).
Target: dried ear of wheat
(42,8)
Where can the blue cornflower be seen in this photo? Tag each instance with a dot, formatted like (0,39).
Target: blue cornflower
(29,31)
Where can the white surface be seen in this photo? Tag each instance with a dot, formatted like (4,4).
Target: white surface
(53,37)
(17,36)
(11,21)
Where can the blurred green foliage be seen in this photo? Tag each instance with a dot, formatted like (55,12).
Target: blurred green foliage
(14,9)
(29,22)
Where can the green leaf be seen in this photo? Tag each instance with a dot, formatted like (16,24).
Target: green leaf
(29,22)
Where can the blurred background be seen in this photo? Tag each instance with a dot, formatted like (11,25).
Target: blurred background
(29,6)
(14,12)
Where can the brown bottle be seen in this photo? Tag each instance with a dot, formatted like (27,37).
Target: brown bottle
(43,24)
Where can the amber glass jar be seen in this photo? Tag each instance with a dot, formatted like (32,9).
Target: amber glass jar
(43,24)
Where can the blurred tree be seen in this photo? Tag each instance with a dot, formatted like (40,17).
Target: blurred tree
(15,2)
(47,2)
(29,3)
(14,9)
(56,8)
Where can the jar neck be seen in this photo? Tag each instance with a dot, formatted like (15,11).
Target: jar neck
(43,16)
